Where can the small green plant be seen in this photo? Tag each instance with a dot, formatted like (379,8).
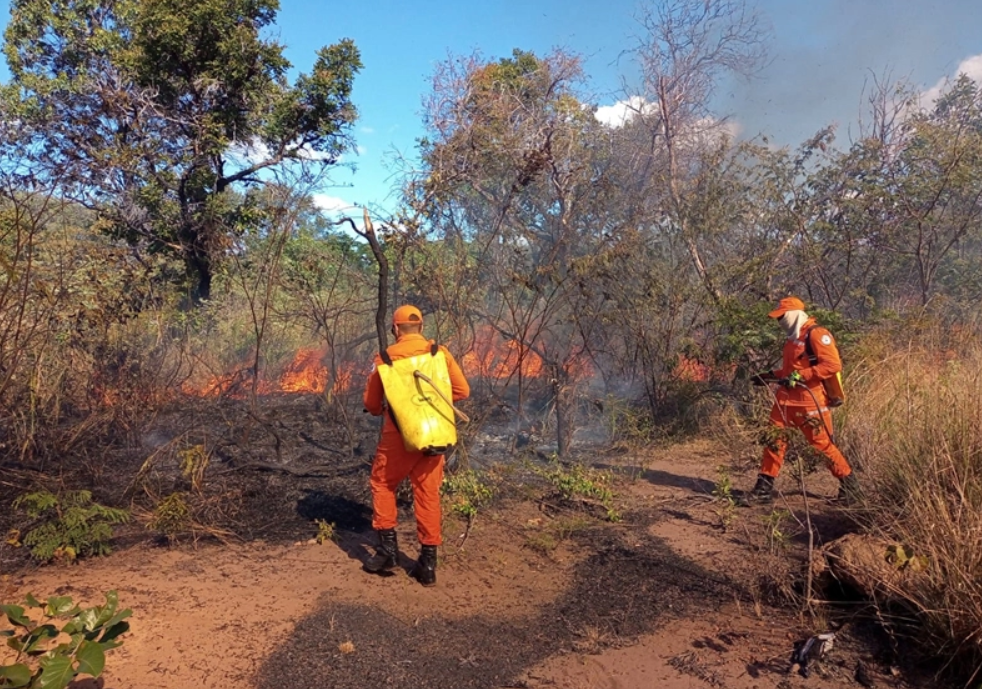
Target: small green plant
(725,502)
(172,516)
(71,524)
(466,492)
(904,557)
(194,461)
(544,539)
(626,422)
(578,482)
(777,534)
(56,641)
(325,532)
(541,542)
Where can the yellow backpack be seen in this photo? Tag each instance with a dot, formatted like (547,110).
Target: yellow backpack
(424,417)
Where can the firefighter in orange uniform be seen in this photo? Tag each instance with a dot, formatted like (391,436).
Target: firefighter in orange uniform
(810,362)
(393,462)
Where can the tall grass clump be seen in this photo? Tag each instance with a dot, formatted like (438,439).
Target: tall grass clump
(913,422)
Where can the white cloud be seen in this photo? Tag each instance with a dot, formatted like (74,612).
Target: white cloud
(367,130)
(971,67)
(621,112)
(703,130)
(333,204)
(255,152)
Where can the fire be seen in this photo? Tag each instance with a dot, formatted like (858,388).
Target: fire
(305,374)
(494,357)
(694,371)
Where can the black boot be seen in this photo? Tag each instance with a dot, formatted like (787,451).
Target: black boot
(850,493)
(385,555)
(425,570)
(763,492)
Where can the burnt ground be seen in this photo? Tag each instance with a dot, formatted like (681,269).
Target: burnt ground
(535,587)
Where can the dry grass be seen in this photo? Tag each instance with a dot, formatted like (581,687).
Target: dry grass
(914,423)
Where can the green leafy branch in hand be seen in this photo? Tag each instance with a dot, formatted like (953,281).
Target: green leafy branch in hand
(49,656)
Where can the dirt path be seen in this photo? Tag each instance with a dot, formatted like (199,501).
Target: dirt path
(667,598)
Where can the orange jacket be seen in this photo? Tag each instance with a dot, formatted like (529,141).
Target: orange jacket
(795,358)
(406,346)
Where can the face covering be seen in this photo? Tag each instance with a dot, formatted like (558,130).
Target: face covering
(792,321)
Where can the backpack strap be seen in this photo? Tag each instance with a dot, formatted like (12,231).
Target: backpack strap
(809,350)
(434,348)
(384,356)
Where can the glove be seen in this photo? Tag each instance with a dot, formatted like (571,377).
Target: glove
(794,379)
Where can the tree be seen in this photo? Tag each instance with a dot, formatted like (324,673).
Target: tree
(151,111)
(685,47)
(516,180)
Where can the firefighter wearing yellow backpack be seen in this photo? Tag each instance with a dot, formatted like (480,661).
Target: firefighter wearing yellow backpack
(810,383)
(414,383)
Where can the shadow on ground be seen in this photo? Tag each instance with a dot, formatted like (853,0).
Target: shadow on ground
(619,593)
(665,479)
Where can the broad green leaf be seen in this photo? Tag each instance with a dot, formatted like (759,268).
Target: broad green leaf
(107,611)
(32,601)
(15,614)
(114,631)
(6,632)
(56,673)
(87,619)
(91,658)
(14,676)
(118,617)
(59,605)
(38,636)
(16,643)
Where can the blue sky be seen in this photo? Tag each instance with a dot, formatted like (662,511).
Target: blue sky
(822,52)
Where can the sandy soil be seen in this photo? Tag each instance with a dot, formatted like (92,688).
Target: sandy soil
(666,598)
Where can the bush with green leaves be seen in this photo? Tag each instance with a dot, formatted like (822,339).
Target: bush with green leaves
(576,482)
(71,524)
(57,640)
(466,491)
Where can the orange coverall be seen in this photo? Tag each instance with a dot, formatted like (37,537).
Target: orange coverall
(795,408)
(393,462)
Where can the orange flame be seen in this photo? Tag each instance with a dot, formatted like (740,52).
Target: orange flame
(494,357)
(306,374)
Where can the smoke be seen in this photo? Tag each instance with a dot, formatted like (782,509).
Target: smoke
(825,54)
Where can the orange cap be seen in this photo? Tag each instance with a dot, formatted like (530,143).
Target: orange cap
(787,304)
(407,314)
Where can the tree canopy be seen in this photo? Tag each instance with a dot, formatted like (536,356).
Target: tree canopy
(148,111)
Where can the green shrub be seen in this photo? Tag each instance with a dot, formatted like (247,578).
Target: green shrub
(71,524)
(172,516)
(466,491)
(578,482)
(43,658)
